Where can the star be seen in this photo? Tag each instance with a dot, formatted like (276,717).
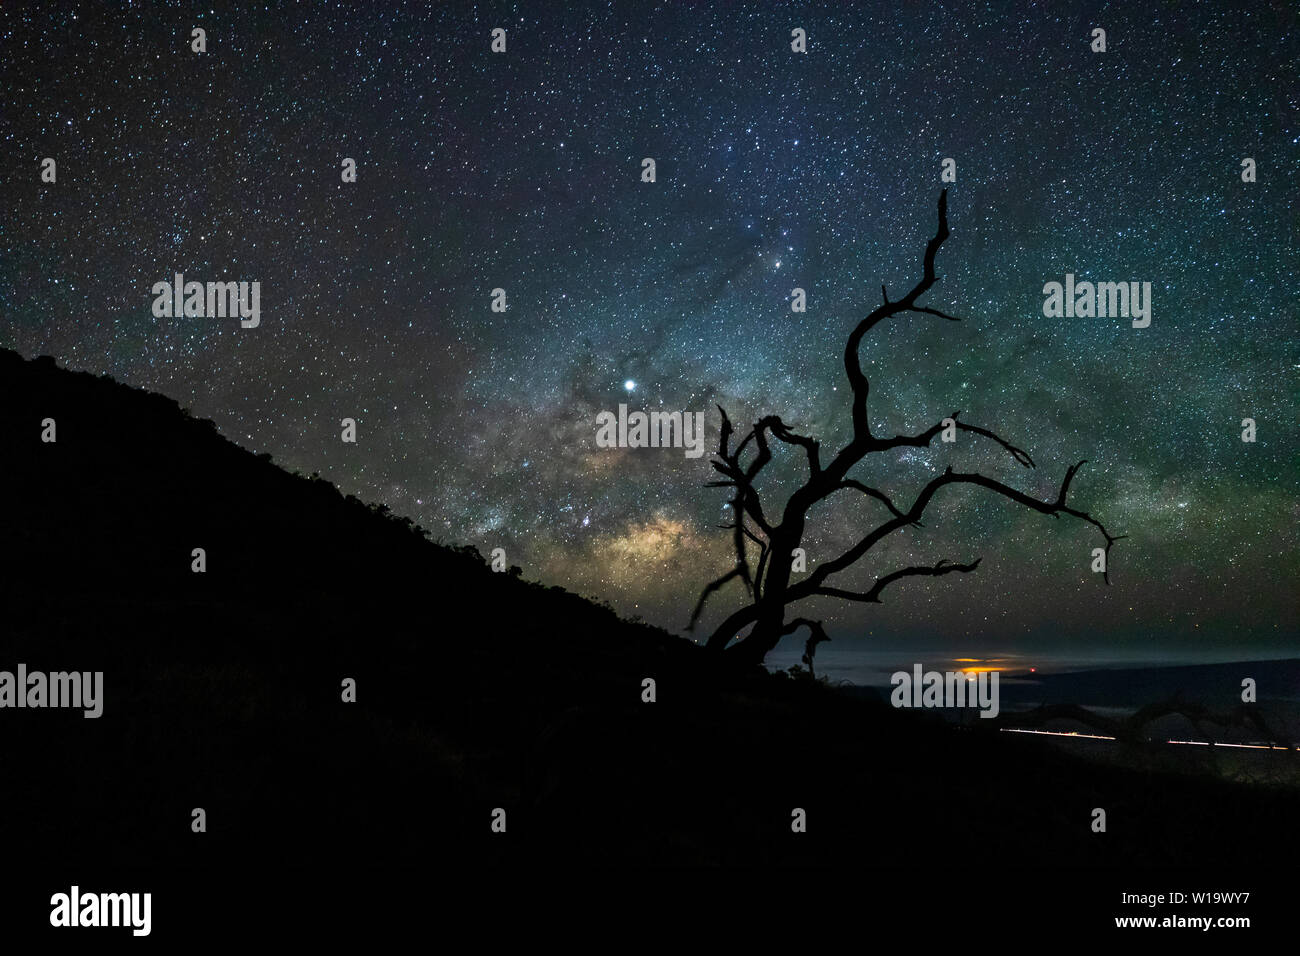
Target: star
(521,171)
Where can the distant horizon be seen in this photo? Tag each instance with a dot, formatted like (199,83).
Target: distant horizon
(849,659)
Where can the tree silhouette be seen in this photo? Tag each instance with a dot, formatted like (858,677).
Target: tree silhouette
(768,583)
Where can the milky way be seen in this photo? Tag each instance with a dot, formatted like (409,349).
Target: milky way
(775,170)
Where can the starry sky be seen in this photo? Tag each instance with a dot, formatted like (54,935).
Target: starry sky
(521,171)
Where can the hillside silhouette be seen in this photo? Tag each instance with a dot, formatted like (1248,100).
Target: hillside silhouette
(475,690)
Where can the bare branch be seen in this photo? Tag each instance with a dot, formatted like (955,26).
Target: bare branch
(782,432)
(724,435)
(809,585)
(873,596)
(924,438)
(942,315)
(852,362)
(1019,454)
(745,502)
(871,492)
(728,629)
(931,250)
(1055,509)
(704,596)
(753,537)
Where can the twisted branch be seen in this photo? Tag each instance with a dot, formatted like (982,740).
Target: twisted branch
(770,586)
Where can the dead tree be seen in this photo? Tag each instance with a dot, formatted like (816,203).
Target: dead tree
(767,581)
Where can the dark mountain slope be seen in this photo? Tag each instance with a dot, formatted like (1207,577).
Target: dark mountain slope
(475,690)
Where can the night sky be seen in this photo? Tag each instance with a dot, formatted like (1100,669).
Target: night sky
(775,170)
